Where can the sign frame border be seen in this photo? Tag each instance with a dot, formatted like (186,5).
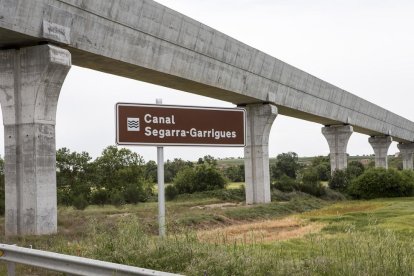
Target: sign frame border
(237,109)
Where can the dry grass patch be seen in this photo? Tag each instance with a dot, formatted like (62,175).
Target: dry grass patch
(344,208)
(260,232)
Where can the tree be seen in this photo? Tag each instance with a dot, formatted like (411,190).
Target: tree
(151,169)
(118,167)
(74,175)
(122,174)
(322,165)
(286,164)
(171,168)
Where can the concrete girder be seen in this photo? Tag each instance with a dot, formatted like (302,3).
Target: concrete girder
(31,79)
(381,144)
(338,137)
(259,121)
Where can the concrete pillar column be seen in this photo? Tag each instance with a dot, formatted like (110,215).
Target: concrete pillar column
(31,79)
(381,144)
(259,121)
(338,137)
(407,152)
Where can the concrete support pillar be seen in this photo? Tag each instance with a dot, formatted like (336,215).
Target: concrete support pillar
(30,83)
(407,152)
(381,144)
(260,118)
(338,137)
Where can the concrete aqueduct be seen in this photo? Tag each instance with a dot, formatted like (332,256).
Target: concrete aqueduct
(143,40)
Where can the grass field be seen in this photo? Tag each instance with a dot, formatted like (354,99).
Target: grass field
(208,236)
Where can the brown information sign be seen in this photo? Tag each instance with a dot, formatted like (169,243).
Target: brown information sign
(164,125)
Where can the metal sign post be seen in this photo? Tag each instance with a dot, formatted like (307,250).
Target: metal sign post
(161,187)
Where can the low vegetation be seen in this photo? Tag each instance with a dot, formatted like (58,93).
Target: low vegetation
(108,211)
(302,236)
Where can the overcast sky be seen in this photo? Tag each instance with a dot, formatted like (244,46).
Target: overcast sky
(365,47)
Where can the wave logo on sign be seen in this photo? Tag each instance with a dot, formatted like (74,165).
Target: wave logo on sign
(133,124)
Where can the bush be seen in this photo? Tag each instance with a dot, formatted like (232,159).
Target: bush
(171,192)
(379,182)
(203,177)
(311,184)
(332,195)
(137,192)
(64,196)
(285,184)
(117,198)
(235,173)
(354,169)
(339,181)
(80,202)
(100,196)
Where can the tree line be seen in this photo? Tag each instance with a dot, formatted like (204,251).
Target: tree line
(119,176)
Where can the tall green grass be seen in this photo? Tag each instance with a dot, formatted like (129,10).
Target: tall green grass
(376,252)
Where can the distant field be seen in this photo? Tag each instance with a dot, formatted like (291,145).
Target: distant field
(300,235)
(302,160)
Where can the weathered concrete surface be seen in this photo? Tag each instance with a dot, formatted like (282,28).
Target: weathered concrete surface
(407,152)
(381,144)
(338,137)
(30,82)
(259,122)
(146,41)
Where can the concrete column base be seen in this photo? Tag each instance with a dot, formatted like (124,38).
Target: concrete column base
(31,79)
(260,118)
(407,152)
(338,137)
(381,144)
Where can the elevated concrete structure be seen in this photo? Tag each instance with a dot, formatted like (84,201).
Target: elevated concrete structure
(143,40)
(407,152)
(259,121)
(338,137)
(30,83)
(147,41)
(381,144)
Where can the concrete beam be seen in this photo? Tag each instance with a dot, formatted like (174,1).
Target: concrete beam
(381,144)
(259,121)
(407,152)
(31,79)
(338,137)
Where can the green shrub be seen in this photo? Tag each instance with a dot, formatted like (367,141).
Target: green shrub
(139,191)
(80,202)
(354,169)
(117,198)
(339,181)
(285,184)
(171,192)
(203,177)
(311,184)
(100,196)
(64,196)
(379,182)
(333,195)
